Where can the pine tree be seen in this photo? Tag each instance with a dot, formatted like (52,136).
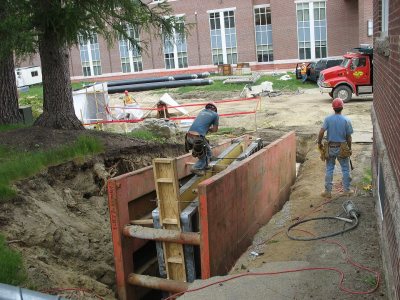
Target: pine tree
(56,26)
(11,30)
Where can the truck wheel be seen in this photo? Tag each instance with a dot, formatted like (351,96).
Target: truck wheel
(331,94)
(343,92)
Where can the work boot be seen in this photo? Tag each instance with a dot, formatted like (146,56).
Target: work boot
(198,172)
(348,193)
(326,194)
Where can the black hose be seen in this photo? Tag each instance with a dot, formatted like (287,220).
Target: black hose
(355,221)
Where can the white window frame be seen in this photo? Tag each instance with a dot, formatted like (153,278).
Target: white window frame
(312,27)
(255,31)
(132,59)
(223,37)
(89,48)
(175,47)
(385,18)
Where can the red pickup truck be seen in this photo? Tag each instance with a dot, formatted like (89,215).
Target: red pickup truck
(352,76)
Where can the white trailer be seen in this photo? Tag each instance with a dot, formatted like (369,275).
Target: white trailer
(28,76)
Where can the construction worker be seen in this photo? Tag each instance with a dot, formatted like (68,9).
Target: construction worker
(129,101)
(195,139)
(303,72)
(338,146)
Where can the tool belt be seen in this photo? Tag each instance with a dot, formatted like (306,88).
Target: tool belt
(197,143)
(324,151)
(334,144)
(345,151)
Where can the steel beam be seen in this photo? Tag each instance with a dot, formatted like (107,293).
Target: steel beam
(228,156)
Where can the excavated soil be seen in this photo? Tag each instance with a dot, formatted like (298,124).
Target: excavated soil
(59,220)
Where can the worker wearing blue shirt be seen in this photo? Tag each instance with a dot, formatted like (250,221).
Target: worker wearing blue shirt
(206,121)
(338,147)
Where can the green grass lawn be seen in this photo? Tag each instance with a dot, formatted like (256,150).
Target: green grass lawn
(16,165)
(287,85)
(11,266)
(146,135)
(219,86)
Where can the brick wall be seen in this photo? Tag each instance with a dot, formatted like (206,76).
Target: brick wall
(284,40)
(114,58)
(31,60)
(387,89)
(342,18)
(75,62)
(386,121)
(364,14)
(200,34)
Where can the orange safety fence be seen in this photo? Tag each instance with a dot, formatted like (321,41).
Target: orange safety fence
(201,104)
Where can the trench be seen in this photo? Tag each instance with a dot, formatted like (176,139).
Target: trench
(60,221)
(193,265)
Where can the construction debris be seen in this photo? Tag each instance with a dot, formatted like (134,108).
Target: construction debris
(256,90)
(285,77)
(161,127)
(243,79)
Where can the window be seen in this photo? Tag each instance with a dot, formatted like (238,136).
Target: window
(223,37)
(320,29)
(34,73)
(311,30)
(332,63)
(175,48)
(370,28)
(131,56)
(90,55)
(263,29)
(385,17)
(358,62)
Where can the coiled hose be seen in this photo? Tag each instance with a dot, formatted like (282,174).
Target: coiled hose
(353,220)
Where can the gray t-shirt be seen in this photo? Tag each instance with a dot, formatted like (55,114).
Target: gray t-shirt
(204,120)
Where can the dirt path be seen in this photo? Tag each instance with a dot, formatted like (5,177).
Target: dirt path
(304,113)
(279,253)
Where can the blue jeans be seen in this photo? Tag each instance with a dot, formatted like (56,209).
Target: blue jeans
(330,167)
(303,78)
(202,163)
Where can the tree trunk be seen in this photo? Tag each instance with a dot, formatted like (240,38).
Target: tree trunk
(9,112)
(58,109)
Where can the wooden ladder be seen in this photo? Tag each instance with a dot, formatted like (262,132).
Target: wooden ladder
(170,207)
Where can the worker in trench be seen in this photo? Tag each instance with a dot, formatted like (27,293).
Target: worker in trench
(195,139)
(337,147)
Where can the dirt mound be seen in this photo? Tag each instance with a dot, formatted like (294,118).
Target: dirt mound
(59,221)
(36,138)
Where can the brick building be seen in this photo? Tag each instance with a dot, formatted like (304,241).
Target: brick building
(269,34)
(386,121)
